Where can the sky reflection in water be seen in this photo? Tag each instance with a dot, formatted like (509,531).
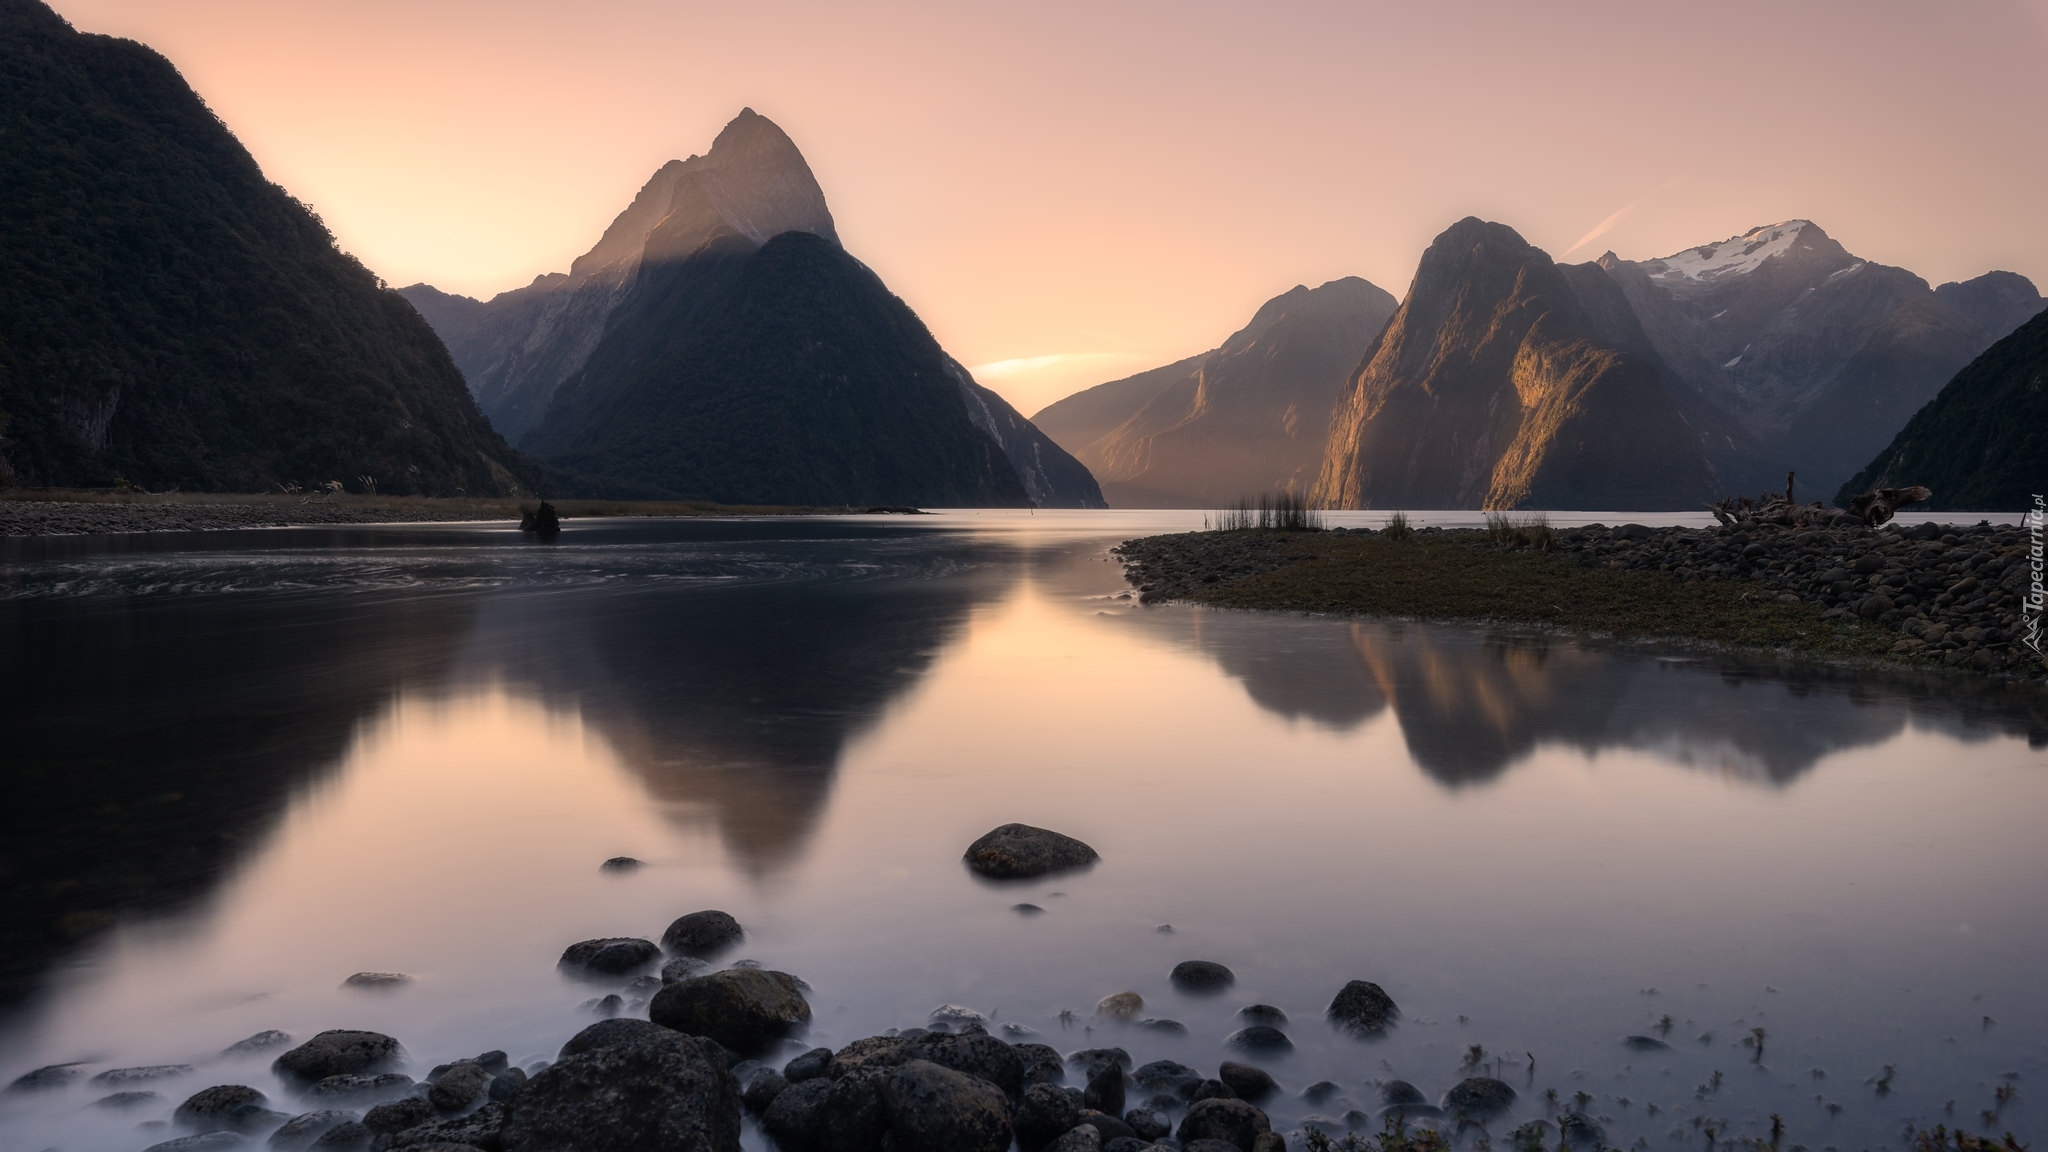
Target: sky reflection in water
(408,749)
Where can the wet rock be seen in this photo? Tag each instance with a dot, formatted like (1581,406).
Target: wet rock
(606,1033)
(1043,1113)
(1119,1005)
(1080,1138)
(134,1098)
(809,1066)
(935,1109)
(1321,1092)
(1162,1027)
(873,1052)
(212,1109)
(351,1136)
(48,1076)
(980,1056)
(620,864)
(1262,1014)
(1148,1123)
(1260,1038)
(1363,1007)
(762,1090)
(262,1041)
(1093,1060)
(1269,1142)
(1168,1076)
(1042,1065)
(398,1115)
(610,956)
(1026,909)
(357,1088)
(459,1087)
(204,1142)
(505,1083)
(795,1118)
(1401,1092)
(683,968)
(1479,1097)
(1108,1126)
(663,1092)
(953,1018)
(1234,1122)
(1202,976)
(1646,1044)
(1127,1144)
(300,1131)
(1105,1091)
(1399,1114)
(377,981)
(855,1116)
(1020,851)
(482,1128)
(1208,1146)
(702,934)
(745,1009)
(1248,1082)
(1210,1089)
(606,1006)
(340,1052)
(142,1073)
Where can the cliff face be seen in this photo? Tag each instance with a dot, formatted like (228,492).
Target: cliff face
(1982,443)
(1821,355)
(170,318)
(1250,417)
(1505,381)
(718,343)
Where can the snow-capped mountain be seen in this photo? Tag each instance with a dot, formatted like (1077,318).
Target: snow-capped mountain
(1821,355)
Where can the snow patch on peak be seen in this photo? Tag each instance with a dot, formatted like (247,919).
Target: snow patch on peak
(1735,256)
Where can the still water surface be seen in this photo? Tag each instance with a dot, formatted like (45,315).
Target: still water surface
(242,766)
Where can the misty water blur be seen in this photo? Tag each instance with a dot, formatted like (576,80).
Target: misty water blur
(242,766)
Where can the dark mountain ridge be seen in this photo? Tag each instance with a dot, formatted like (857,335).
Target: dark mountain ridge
(1982,443)
(170,318)
(718,343)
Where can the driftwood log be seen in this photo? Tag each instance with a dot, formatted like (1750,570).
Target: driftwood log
(1879,504)
(1873,508)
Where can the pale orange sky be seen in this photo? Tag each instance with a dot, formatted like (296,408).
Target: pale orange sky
(1094,188)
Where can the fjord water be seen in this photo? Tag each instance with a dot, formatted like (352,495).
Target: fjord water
(242,766)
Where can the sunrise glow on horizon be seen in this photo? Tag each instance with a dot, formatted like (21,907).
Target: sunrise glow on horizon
(1076,193)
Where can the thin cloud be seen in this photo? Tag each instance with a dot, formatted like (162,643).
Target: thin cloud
(1607,225)
(998,368)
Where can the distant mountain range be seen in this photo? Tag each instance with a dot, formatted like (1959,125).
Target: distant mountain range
(1506,380)
(718,343)
(1249,417)
(1982,443)
(1821,355)
(170,318)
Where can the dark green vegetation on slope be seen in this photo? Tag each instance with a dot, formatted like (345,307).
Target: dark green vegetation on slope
(1982,443)
(780,374)
(170,317)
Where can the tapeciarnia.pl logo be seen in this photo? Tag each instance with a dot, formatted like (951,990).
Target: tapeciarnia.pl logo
(2037,518)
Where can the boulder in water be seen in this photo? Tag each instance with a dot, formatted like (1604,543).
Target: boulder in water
(340,1052)
(671,1091)
(609,956)
(1363,1007)
(745,1009)
(1479,1098)
(1202,976)
(702,934)
(1234,1122)
(935,1109)
(1020,851)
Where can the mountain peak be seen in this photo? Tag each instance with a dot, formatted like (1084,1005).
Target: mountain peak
(1737,255)
(752,181)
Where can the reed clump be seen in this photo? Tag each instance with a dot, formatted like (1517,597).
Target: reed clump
(1398,527)
(1510,531)
(1270,512)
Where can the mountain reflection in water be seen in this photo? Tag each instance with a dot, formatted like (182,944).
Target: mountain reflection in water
(1473,702)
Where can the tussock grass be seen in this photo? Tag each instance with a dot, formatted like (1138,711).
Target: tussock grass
(1275,512)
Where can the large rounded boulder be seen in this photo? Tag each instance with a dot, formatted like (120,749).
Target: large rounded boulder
(1479,1098)
(1020,851)
(935,1109)
(218,1108)
(1363,1007)
(702,934)
(340,1052)
(1234,1122)
(745,1009)
(670,1091)
(611,956)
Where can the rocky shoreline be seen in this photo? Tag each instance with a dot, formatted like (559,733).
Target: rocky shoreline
(1930,595)
(80,518)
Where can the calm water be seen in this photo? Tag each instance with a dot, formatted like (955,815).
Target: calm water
(240,767)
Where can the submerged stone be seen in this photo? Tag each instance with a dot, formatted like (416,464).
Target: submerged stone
(1020,851)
